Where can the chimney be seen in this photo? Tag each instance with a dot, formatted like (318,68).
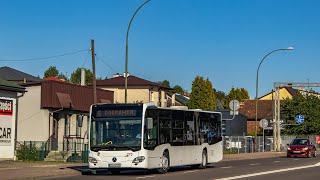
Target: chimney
(24,80)
(83,77)
(116,75)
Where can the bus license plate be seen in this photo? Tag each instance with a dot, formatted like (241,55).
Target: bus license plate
(114,165)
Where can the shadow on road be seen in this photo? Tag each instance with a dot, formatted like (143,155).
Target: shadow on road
(103,172)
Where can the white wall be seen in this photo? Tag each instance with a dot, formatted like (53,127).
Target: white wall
(33,122)
(7,121)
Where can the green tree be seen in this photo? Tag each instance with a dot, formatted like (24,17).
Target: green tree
(76,76)
(166,83)
(220,98)
(62,76)
(238,94)
(306,105)
(52,71)
(202,95)
(178,89)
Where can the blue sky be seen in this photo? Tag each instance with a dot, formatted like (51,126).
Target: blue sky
(169,39)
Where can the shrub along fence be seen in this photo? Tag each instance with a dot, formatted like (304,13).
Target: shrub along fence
(43,151)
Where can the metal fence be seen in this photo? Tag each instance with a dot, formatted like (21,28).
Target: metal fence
(43,151)
(246,144)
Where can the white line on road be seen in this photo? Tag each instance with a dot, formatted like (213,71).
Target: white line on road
(296,159)
(254,164)
(191,171)
(276,161)
(142,177)
(269,172)
(227,167)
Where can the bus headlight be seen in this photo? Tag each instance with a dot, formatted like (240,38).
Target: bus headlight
(138,159)
(92,160)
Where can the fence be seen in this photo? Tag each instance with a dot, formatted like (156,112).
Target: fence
(43,151)
(245,144)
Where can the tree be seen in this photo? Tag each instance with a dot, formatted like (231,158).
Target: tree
(220,98)
(166,83)
(178,89)
(62,76)
(238,94)
(306,105)
(51,72)
(76,76)
(202,95)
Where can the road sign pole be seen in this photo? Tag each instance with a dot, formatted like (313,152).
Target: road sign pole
(263,140)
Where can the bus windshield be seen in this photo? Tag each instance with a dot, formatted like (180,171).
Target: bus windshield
(115,129)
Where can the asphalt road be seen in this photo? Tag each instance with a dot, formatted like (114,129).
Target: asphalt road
(269,168)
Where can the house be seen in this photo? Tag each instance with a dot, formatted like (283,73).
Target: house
(138,90)
(9,94)
(248,108)
(13,75)
(56,113)
(234,127)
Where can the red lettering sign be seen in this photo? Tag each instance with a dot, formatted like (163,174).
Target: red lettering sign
(6,107)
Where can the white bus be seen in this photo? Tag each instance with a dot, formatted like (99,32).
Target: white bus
(143,136)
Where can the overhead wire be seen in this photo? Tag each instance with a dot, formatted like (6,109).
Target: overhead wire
(43,58)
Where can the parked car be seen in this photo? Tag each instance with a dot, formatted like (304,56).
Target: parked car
(301,147)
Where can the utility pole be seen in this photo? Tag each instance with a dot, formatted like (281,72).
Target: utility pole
(94,73)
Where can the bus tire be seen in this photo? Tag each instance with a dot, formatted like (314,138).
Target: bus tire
(204,161)
(165,163)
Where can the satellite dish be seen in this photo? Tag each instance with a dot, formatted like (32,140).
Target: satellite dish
(234,105)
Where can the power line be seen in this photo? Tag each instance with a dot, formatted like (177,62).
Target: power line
(48,57)
(106,63)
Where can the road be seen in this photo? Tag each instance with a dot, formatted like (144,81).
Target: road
(268,168)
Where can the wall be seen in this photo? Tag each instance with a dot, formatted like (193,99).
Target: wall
(136,94)
(33,122)
(283,95)
(7,124)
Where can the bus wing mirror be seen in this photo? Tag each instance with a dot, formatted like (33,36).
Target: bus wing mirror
(150,123)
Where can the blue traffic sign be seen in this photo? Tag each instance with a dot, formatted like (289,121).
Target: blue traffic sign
(299,119)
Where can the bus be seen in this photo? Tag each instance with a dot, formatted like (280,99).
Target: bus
(144,136)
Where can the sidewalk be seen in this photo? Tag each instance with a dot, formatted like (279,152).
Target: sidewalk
(38,170)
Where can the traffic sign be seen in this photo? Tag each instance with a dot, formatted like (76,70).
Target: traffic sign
(263,123)
(299,119)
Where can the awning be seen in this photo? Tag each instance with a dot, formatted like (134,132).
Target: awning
(65,100)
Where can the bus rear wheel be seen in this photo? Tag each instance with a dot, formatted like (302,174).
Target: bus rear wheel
(204,161)
(165,163)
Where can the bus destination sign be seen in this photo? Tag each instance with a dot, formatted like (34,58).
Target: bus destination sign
(117,113)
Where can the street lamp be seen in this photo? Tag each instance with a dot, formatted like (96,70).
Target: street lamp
(126,68)
(257,81)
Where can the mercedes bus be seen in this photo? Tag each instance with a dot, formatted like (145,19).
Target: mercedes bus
(144,136)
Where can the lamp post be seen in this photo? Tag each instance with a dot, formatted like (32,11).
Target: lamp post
(126,68)
(257,81)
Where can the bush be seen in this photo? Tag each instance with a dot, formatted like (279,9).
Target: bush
(29,152)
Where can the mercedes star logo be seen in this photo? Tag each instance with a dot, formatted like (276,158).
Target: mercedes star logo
(114,159)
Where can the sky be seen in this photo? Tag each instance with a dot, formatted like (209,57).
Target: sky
(174,40)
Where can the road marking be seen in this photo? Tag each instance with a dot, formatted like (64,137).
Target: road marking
(254,164)
(268,172)
(144,177)
(191,171)
(227,167)
(296,159)
(276,161)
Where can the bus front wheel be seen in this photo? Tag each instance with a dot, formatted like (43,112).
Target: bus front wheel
(204,161)
(165,163)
